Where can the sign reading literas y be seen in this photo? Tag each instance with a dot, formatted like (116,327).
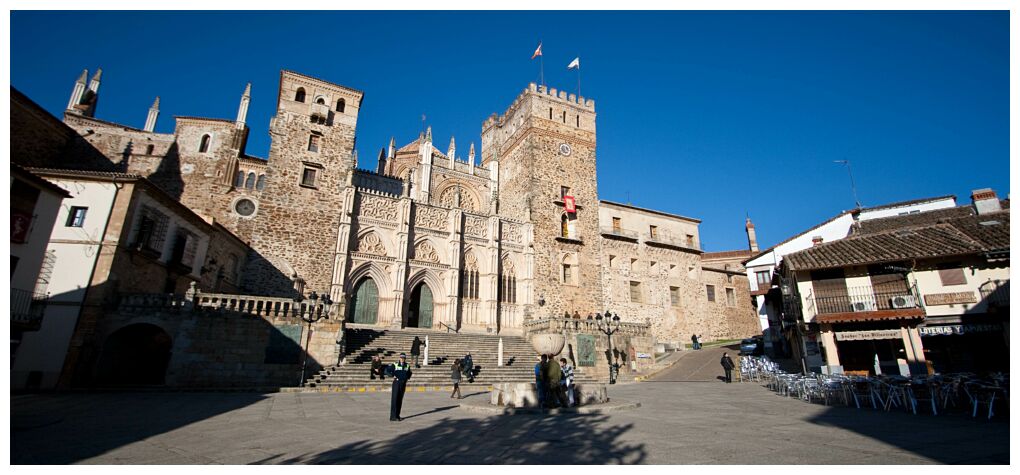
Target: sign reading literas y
(950,298)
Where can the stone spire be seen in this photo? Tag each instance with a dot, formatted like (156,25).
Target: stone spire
(393,148)
(451,152)
(94,85)
(79,89)
(428,134)
(471,154)
(752,240)
(150,121)
(380,166)
(242,110)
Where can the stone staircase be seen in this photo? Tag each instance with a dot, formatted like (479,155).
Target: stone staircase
(519,359)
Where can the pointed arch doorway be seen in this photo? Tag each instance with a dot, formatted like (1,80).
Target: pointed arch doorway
(419,312)
(365,302)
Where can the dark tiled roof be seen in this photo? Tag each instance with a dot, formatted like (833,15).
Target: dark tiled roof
(936,240)
(908,203)
(947,232)
(38,181)
(66,172)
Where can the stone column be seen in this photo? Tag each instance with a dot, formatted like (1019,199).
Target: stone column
(829,343)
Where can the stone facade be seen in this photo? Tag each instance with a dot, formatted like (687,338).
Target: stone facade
(428,238)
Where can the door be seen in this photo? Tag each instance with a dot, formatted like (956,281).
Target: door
(420,308)
(365,303)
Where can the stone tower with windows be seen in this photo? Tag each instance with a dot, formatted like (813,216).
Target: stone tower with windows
(311,161)
(542,149)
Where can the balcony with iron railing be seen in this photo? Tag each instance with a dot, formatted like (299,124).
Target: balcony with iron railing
(996,295)
(320,111)
(864,299)
(27,309)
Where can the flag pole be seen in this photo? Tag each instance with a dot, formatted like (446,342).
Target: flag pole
(578,81)
(541,68)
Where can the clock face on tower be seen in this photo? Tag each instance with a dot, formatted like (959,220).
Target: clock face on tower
(245,207)
(565,149)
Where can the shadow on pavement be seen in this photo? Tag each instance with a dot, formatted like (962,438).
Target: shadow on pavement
(562,439)
(48,428)
(951,439)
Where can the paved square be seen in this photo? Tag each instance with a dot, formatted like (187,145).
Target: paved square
(678,423)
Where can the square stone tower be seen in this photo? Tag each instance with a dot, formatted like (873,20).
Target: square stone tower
(543,148)
(310,164)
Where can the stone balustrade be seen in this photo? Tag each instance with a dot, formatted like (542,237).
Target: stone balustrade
(574,325)
(250,304)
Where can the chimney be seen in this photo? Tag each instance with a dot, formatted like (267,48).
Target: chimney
(752,239)
(816,240)
(985,201)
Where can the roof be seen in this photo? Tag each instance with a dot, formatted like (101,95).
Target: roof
(953,237)
(652,211)
(852,211)
(66,172)
(313,78)
(207,119)
(725,254)
(38,181)
(415,146)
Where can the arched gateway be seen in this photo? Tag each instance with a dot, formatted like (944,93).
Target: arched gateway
(365,302)
(419,312)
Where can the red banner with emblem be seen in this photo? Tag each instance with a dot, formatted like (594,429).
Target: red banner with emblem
(568,204)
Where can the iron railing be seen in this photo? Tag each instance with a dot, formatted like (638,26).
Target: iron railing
(27,307)
(997,294)
(865,299)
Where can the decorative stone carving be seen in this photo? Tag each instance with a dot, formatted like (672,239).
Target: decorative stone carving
(428,217)
(424,251)
(371,244)
(456,197)
(378,207)
(512,232)
(470,261)
(475,226)
(508,266)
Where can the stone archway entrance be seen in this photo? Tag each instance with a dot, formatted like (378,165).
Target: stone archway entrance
(136,354)
(365,302)
(419,312)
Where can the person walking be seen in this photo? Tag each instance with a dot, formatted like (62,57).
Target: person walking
(469,367)
(401,372)
(416,346)
(727,364)
(455,376)
(694,341)
(377,367)
(568,380)
(554,375)
(540,381)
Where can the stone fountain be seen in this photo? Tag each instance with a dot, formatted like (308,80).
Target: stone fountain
(525,395)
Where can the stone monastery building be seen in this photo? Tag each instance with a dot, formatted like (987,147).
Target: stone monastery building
(430,239)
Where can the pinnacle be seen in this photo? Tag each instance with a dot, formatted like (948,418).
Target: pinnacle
(99,73)
(155,104)
(84,76)
(247,90)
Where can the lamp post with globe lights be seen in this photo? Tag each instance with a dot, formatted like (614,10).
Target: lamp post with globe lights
(609,324)
(310,312)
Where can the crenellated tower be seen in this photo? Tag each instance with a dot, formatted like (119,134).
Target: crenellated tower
(542,151)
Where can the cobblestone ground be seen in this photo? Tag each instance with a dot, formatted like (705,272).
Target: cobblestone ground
(681,421)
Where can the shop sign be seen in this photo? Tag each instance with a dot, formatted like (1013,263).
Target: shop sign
(941,330)
(950,298)
(869,335)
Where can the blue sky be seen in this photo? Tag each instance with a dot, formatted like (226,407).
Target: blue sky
(714,115)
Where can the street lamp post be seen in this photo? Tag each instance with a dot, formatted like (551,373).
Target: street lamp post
(312,313)
(609,324)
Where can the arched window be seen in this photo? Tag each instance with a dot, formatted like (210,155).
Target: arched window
(320,101)
(508,283)
(300,96)
(261,183)
(149,149)
(469,278)
(341,105)
(250,182)
(203,146)
(239,179)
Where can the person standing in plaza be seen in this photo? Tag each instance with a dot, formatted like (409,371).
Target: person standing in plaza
(540,381)
(469,367)
(401,372)
(694,342)
(455,376)
(568,380)
(416,350)
(727,364)
(554,376)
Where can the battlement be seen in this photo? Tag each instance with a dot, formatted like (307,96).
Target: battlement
(546,93)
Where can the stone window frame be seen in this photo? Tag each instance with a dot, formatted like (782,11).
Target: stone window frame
(316,168)
(569,266)
(710,292)
(636,285)
(341,105)
(300,95)
(731,297)
(674,297)
(315,140)
(204,146)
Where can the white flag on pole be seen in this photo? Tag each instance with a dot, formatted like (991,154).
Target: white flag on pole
(575,64)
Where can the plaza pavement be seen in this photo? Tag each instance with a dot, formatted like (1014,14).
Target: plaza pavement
(686,417)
